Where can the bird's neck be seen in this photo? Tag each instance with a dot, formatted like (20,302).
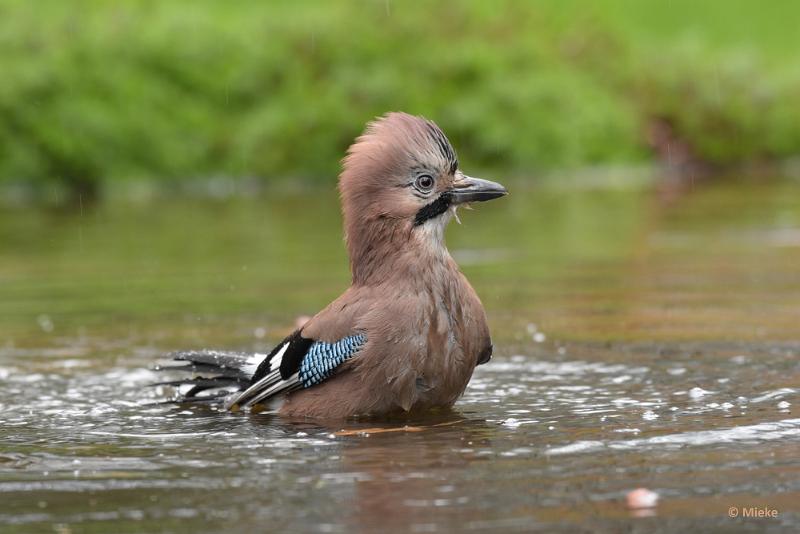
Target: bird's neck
(392,250)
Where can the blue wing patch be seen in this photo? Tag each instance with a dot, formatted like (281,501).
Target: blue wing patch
(323,358)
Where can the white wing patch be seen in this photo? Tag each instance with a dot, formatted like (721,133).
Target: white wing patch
(275,364)
(271,377)
(251,365)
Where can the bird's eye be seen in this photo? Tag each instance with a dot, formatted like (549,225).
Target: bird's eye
(424,183)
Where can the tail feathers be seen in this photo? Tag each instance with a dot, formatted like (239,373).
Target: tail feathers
(222,373)
(241,364)
(200,384)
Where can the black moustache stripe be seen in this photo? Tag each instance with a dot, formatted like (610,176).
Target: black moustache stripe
(433,209)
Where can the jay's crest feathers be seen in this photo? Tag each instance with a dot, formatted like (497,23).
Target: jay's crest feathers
(410,330)
(399,175)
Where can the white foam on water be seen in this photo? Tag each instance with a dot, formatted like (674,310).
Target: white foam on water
(760,432)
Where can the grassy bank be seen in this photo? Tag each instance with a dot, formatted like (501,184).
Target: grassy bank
(96,92)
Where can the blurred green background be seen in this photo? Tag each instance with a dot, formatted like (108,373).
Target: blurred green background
(648,145)
(168,181)
(100,96)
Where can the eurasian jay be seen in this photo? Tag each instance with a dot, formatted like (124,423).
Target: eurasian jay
(410,330)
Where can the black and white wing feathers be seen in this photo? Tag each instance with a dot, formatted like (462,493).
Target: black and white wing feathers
(246,379)
(297,363)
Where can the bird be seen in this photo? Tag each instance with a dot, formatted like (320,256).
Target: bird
(409,331)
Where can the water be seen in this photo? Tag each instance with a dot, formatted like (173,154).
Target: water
(638,344)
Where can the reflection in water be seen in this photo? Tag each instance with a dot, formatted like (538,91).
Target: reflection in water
(613,320)
(407,480)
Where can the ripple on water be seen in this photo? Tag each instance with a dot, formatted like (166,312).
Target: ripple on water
(100,428)
(751,434)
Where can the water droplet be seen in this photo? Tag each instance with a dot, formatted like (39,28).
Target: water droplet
(698,393)
(45,323)
(511,422)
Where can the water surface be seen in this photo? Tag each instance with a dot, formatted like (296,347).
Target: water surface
(639,343)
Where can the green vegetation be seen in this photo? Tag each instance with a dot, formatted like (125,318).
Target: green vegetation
(98,92)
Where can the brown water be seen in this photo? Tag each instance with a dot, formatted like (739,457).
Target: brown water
(638,343)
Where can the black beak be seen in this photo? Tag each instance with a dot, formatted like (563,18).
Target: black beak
(469,189)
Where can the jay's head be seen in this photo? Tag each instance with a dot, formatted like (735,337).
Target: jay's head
(403,174)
